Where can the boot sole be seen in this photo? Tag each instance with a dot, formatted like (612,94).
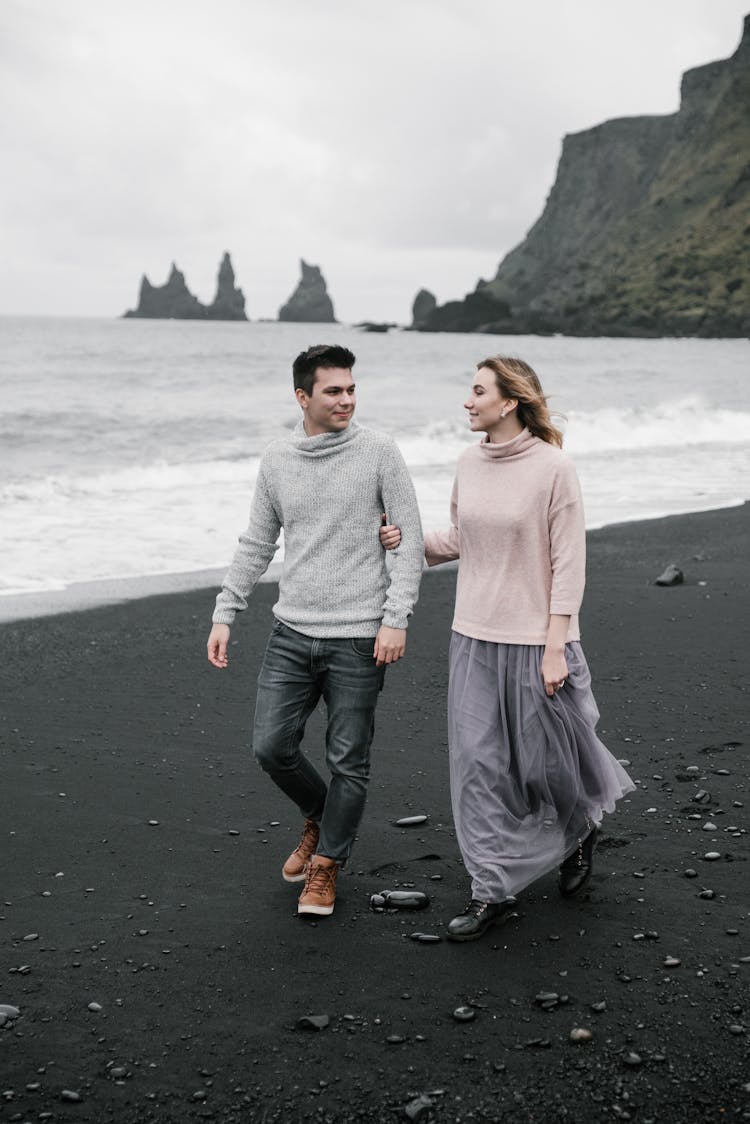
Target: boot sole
(318,910)
(293,877)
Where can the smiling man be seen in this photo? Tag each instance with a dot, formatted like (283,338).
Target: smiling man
(341,616)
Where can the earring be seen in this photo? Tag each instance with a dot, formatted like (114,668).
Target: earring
(502,413)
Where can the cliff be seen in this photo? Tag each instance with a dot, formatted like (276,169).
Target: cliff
(310,302)
(646,231)
(174,301)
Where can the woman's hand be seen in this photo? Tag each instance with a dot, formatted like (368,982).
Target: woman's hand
(390,534)
(554,670)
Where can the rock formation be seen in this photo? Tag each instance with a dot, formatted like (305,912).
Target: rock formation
(229,302)
(174,301)
(646,231)
(309,303)
(423,307)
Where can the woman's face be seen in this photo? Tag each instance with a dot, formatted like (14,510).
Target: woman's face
(485,403)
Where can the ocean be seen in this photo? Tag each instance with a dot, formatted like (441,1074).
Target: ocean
(129,448)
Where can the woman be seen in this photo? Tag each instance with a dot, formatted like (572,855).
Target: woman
(529,778)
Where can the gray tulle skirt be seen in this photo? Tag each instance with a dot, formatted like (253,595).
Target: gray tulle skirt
(529,777)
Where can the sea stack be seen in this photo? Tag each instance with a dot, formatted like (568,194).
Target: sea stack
(424,305)
(229,302)
(174,301)
(171,301)
(310,302)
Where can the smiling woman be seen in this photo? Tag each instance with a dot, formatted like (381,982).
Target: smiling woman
(530,779)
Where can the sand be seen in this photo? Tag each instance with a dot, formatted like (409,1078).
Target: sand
(141,875)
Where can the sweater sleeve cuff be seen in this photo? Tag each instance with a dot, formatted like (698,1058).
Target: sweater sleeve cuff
(391,620)
(224,616)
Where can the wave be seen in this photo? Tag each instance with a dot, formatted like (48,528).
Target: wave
(157,477)
(687,422)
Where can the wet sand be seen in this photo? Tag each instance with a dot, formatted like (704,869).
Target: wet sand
(141,874)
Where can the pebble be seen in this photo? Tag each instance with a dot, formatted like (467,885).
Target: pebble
(395,1039)
(419,1108)
(31,937)
(708,826)
(8,1011)
(736,1028)
(633,1059)
(153,823)
(464,1014)
(690,873)
(410,821)
(426,938)
(672,575)
(707,895)
(95,1007)
(672,962)
(70,1096)
(313,1022)
(580,1034)
(712,856)
(399,899)
(599,1007)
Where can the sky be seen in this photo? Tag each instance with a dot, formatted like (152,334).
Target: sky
(399,145)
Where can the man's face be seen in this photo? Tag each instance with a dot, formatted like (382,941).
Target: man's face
(330,407)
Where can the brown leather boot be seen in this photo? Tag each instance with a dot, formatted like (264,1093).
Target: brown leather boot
(319,894)
(293,869)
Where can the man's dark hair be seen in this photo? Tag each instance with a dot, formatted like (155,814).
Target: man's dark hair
(322,355)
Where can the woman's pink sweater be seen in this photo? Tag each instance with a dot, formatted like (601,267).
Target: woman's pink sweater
(518,530)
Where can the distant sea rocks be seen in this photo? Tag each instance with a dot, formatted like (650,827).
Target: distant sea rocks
(310,302)
(646,231)
(423,308)
(174,301)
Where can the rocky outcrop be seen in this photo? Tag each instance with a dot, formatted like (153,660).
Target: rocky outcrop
(229,302)
(174,301)
(646,231)
(423,307)
(310,302)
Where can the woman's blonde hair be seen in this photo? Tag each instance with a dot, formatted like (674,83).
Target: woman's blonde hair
(516,379)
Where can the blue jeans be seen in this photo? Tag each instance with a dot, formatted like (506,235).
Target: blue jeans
(297,671)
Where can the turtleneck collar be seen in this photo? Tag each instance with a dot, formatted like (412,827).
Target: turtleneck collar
(518,444)
(323,443)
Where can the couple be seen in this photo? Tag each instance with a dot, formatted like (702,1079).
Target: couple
(530,780)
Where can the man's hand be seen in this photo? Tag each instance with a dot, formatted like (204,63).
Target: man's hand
(390,645)
(217,645)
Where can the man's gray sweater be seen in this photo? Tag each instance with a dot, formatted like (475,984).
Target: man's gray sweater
(328,493)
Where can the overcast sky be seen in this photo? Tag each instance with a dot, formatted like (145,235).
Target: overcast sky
(398,144)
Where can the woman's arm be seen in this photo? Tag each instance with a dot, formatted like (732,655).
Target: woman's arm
(554,664)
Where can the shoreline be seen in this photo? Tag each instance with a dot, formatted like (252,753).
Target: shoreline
(84,595)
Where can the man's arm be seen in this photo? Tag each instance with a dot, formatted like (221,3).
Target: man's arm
(257,546)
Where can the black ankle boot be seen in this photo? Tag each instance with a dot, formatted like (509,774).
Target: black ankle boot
(478,917)
(575,872)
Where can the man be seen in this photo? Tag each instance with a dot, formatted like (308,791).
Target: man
(341,615)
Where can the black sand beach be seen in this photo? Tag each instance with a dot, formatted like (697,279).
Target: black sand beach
(155,955)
